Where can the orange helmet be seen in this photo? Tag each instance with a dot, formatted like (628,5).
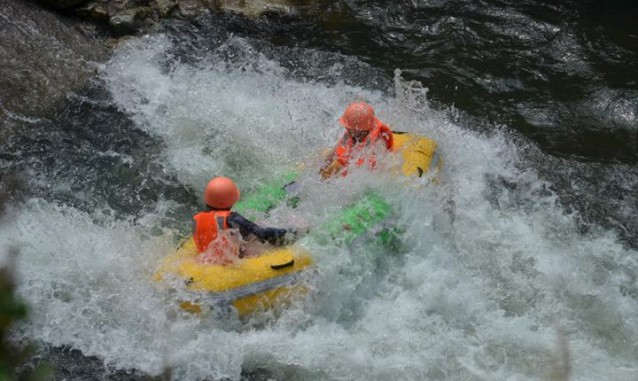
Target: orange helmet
(221,193)
(358,116)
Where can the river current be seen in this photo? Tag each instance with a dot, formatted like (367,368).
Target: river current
(518,263)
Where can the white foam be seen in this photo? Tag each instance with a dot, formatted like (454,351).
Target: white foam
(488,274)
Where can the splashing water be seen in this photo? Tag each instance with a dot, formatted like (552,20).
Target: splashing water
(491,265)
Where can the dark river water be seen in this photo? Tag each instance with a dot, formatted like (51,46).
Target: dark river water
(521,262)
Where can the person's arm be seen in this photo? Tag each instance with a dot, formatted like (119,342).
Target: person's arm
(331,164)
(330,157)
(274,236)
(386,134)
(330,169)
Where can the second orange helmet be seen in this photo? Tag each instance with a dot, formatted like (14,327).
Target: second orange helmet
(358,116)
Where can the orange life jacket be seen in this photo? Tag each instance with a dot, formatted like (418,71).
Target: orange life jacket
(348,147)
(207,227)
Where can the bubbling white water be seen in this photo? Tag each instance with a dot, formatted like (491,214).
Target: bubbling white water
(490,277)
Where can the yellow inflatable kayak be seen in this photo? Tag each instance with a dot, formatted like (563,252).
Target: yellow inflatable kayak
(251,284)
(420,154)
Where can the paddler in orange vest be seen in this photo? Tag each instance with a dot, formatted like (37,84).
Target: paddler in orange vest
(364,132)
(219,233)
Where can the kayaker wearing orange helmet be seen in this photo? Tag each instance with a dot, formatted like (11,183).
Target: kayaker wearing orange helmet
(364,131)
(212,226)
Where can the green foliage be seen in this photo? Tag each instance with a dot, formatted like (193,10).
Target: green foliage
(13,357)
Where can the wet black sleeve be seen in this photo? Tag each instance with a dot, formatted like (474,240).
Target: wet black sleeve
(274,236)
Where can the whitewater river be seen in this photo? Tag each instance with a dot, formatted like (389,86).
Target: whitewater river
(519,263)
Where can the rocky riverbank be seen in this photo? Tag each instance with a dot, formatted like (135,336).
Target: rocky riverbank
(130,16)
(50,48)
(44,56)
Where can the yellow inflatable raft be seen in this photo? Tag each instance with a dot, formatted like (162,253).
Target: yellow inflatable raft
(252,284)
(420,154)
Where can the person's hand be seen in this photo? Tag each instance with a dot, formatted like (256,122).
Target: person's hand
(329,170)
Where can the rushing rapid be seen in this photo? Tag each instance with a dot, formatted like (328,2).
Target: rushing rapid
(495,279)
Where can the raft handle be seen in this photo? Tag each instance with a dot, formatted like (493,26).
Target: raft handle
(283,265)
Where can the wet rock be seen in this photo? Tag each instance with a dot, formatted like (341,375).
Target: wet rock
(256,8)
(165,7)
(44,59)
(131,16)
(130,20)
(94,10)
(47,56)
(192,7)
